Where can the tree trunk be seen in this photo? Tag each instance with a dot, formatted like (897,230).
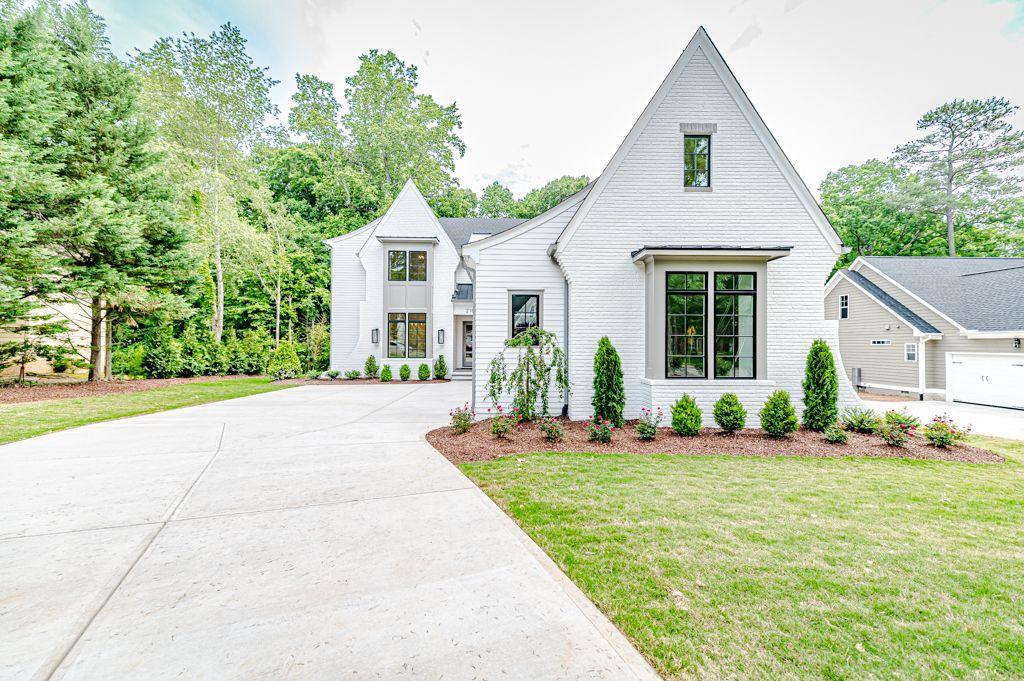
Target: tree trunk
(108,343)
(95,332)
(218,298)
(950,213)
(277,315)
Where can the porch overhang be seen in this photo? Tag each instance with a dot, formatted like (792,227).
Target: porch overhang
(752,253)
(408,239)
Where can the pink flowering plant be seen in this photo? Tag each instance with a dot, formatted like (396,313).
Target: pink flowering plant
(503,421)
(897,428)
(600,429)
(944,432)
(647,425)
(462,419)
(551,428)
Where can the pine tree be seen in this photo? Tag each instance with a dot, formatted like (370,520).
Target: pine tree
(609,392)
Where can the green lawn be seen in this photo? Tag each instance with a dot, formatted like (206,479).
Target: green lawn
(721,567)
(19,421)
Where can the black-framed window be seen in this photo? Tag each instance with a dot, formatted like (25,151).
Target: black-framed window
(407,265)
(525,312)
(407,334)
(417,334)
(844,306)
(417,265)
(396,334)
(697,160)
(735,305)
(398,268)
(685,315)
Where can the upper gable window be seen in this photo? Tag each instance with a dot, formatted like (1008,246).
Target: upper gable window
(407,265)
(697,161)
(844,307)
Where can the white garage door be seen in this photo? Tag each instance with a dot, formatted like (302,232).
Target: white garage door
(997,380)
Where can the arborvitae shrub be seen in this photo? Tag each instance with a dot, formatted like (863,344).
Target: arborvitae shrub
(404,372)
(385,373)
(370,367)
(440,367)
(686,416)
(424,372)
(162,356)
(821,387)
(609,392)
(729,413)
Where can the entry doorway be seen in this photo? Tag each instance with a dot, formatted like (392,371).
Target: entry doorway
(467,345)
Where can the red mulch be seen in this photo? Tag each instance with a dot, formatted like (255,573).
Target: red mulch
(342,379)
(14,393)
(479,445)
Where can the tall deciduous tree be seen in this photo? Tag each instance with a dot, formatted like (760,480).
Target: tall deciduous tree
(212,105)
(968,155)
(550,195)
(396,133)
(497,201)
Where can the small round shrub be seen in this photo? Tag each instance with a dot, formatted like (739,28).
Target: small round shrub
(729,413)
(686,416)
(503,423)
(778,418)
(600,429)
(352,374)
(551,428)
(370,367)
(424,372)
(943,432)
(385,373)
(902,418)
(125,361)
(284,363)
(896,434)
(440,367)
(161,357)
(403,372)
(333,373)
(835,435)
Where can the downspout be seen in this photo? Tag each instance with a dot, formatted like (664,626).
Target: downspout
(565,325)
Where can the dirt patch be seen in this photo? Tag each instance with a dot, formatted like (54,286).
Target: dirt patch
(479,445)
(353,381)
(15,393)
(886,397)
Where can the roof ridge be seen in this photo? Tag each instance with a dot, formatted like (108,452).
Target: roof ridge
(999,269)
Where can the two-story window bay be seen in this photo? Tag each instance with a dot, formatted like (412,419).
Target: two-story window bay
(699,252)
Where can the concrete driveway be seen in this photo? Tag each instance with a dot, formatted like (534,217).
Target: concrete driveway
(309,533)
(983,420)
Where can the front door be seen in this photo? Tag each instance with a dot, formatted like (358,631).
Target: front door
(467,345)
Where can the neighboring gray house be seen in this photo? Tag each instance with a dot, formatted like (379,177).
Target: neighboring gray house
(943,328)
(699,252)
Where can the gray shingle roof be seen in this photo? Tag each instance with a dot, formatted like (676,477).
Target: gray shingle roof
(460,229)
(463,292)
(983,294)
(894,305)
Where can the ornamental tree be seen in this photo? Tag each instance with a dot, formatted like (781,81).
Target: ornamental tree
(539,361)
(821,387)
(609,393)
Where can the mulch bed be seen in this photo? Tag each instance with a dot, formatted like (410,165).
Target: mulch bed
(479,445)
(342,380)
(15,393)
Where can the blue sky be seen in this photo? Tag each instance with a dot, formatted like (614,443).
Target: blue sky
(549,88)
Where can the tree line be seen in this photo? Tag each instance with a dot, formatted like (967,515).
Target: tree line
(165,195)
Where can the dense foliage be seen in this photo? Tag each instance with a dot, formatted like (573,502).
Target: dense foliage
(821,387)
(729,413)
(686,416)
(539,360)
(778,418)
(609,399)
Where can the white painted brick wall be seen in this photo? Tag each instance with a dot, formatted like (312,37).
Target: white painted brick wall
(643,203)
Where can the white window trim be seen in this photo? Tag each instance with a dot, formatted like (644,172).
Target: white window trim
(844,306)
(878,342)
(907,349)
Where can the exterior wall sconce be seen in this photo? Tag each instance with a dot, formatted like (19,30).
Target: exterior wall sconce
(375,336)
(440,336)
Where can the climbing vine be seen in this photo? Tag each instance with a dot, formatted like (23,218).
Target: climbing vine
(539,361)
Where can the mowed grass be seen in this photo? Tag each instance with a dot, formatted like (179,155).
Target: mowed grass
(726,567)
(20,421)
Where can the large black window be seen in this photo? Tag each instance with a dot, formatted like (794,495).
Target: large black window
(525,312)
(697,161)
(407,334)
(417,334)
(686,310)
(735,294)
(396,334)
(407,265)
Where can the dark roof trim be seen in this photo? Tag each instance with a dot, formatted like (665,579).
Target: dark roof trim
(463,292)
(758,252)
(887,301)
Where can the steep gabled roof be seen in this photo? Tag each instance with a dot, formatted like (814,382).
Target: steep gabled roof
(889,302)
(979,294)
(702,42)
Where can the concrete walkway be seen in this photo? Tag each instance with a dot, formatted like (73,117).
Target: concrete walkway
(996,421)
(309,533)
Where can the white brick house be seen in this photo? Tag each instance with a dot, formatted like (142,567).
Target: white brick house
(699,252)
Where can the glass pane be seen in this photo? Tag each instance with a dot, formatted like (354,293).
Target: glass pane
(700,163)
(746,326)
(696,282)
(675,366)
(745,305)
(417,334)
(745,367)
(725,282)
(677,303)
(396,335)
(697,144)
(725,326)
(745,347)
(695,305)
(724,367)
(396,265)
(725,345)
(689,178)
(725,305)
(417,265)
(745,282)
(524,312)
(701,179)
